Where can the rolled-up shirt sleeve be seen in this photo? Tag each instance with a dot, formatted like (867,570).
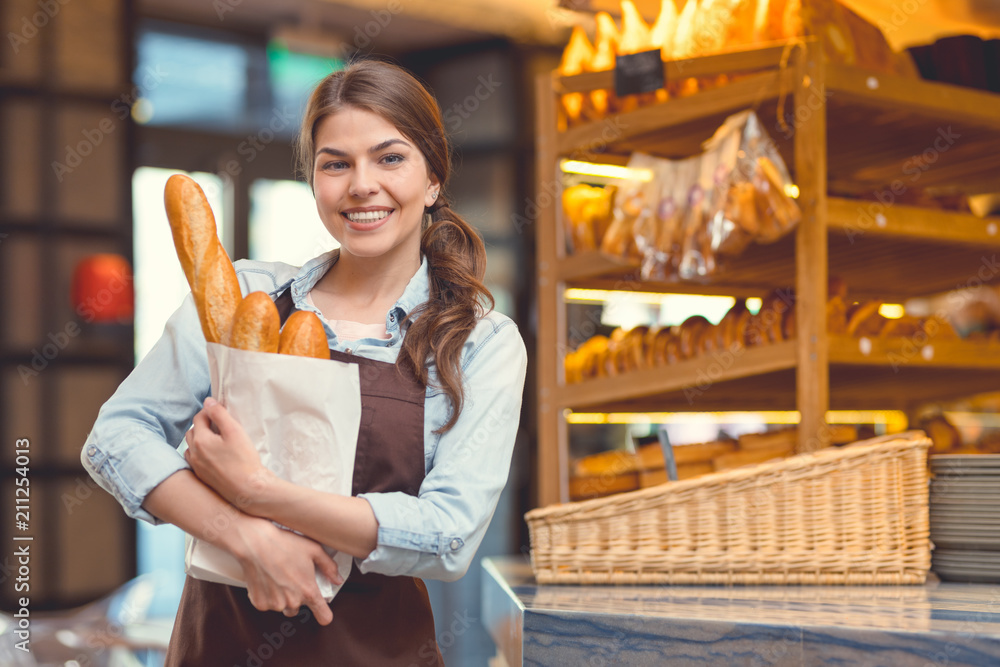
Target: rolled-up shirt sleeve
(436,534)
(133,444)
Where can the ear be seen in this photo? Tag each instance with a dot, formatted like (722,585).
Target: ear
(433,190)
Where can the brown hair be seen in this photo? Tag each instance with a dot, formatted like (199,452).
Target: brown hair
(437,329)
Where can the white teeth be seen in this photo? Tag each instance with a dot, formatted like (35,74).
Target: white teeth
(367,216)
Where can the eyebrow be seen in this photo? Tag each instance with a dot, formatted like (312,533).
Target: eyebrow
(374,149)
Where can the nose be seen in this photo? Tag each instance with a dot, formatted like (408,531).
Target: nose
(363,182)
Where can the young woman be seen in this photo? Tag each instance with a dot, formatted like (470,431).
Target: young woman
(441,382)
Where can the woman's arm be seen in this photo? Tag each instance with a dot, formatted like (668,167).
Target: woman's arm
(434,535)
(278,565)
(227,461)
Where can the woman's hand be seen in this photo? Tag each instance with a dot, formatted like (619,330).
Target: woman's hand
(279,567)
(223,457)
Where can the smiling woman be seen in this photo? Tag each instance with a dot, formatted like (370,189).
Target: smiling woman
(441,377)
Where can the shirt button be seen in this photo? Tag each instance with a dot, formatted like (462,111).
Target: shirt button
(392,318)
(92,451)
(456,544)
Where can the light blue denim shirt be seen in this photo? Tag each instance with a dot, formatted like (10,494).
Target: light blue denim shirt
(133,445)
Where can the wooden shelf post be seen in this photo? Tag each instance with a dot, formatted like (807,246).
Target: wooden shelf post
(812,376)
(553,446)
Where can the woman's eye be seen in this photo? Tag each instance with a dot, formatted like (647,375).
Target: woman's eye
(392,159)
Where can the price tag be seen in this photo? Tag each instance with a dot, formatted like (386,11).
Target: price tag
(639,73)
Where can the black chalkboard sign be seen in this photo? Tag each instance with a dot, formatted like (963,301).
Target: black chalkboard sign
(639,73)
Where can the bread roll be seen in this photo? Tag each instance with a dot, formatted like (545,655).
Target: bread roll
(207,267)
(304,336)
(690,335)
(864,319)
(256,324)
(836,315)
(905,326)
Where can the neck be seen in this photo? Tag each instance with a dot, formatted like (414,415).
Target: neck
(369,280)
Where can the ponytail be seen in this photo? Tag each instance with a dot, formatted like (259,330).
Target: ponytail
(438,328)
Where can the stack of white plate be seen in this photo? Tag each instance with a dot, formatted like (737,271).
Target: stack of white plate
(965,517)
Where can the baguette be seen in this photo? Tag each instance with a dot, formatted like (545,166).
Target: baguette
(256,324)
(207,267)
(304,336)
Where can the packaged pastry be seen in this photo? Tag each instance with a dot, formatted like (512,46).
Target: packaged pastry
(697,259)
(732,218)
(632,218)
(777,212)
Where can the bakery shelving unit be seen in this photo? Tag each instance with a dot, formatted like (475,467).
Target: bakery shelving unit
(855,132)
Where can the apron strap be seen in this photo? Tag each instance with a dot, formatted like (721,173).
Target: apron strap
(285,304)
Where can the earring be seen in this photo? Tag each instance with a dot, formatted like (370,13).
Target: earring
(434,195)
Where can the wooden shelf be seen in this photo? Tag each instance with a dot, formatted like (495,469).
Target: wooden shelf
(890,373)
(889,253)
(881,129)
(857,144)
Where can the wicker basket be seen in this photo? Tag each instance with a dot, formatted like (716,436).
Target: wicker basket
(849,515)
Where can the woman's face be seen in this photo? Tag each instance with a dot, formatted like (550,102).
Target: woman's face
(371,185)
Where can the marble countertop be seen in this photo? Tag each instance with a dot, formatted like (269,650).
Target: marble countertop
(937,624)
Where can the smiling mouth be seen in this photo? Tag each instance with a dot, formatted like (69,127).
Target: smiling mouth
(366,216)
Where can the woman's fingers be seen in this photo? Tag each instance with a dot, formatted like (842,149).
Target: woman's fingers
(219,417)
(281,572)
(329,568)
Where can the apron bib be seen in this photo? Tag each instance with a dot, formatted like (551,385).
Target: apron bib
(377,620)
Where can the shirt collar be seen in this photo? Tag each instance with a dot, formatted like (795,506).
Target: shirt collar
(417,289)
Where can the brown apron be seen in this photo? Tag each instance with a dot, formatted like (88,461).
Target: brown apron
(377,620)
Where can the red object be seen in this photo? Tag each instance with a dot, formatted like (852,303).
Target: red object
(102,289)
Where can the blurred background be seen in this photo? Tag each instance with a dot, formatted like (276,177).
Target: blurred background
(101,100)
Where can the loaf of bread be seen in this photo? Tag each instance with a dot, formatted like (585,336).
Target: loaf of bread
(304,336)
(207,267)
(577,54)
(256,324)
